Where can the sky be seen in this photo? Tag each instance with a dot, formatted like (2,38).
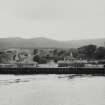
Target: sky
(56,19)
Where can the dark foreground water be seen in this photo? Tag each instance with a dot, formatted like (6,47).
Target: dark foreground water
(52,90)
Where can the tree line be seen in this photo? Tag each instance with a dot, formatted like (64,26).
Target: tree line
(89,52)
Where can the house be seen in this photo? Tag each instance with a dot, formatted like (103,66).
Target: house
(72,62)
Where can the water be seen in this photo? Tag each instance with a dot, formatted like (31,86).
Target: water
(52,90)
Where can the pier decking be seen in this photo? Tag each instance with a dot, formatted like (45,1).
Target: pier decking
(58,70)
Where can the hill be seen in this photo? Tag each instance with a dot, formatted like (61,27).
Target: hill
(46,43)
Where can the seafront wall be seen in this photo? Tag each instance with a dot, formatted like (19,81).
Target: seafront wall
(59,70)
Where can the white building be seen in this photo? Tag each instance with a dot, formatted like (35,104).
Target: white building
(72,62)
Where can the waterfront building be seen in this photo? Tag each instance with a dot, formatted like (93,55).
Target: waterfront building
(27,65)
(8,66)
(72,62)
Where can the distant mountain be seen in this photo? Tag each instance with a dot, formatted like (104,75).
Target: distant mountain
(46,43)
(79,43)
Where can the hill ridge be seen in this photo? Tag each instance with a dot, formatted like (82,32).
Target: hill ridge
(42,42)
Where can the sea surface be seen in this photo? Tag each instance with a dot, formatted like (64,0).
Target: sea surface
(52,90)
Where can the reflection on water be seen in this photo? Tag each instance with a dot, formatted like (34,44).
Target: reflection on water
(52,90)
(15,79)
(10,79)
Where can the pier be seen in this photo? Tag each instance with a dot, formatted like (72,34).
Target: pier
(58,70)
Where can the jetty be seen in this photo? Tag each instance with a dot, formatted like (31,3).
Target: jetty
(57,70)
